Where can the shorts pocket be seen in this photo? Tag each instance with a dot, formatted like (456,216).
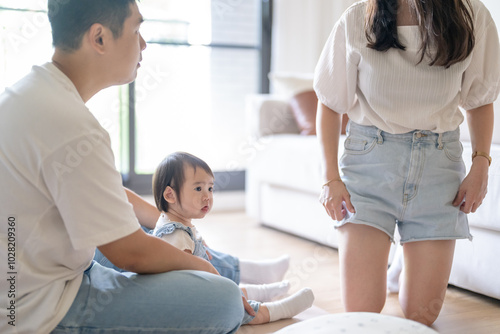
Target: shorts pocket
(353,145)
(454,150)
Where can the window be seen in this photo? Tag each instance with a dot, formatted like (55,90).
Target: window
(203,58)
(189,95)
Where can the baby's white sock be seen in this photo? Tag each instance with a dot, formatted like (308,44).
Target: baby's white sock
(264,271)
(290,306)
(266,292)
(394,271)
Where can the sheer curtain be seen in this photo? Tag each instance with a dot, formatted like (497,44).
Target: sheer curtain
(300,29)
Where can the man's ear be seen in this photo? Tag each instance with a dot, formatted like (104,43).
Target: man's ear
(97,37)
(169,195)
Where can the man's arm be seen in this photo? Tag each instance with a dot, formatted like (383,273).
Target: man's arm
(146,213)
(142,253)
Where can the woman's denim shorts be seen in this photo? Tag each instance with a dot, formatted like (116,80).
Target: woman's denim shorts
(409,180)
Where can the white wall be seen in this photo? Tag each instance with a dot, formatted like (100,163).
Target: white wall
(301,27)
(300,30)
(494,8)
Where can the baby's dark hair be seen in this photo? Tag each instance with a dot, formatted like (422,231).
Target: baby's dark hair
(170,172)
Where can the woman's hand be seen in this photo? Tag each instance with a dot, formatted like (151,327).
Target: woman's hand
(336,200)
(334,195)
(474,187)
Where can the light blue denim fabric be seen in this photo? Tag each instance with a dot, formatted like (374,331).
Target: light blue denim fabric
(103,261)
(227,265)
(184,301)
(409,180)
(169,228)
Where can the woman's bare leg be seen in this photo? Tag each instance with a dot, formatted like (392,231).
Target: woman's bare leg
(364,252)
(426,274)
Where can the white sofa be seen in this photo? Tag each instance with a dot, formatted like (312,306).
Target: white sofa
(283,181)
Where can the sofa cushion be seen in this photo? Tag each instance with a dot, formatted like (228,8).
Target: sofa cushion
(304,107)
(293,161)
(290,161)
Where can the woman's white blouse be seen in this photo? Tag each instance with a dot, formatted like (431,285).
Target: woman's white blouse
(392,90)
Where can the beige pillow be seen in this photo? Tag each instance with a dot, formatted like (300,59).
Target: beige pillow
(304,111)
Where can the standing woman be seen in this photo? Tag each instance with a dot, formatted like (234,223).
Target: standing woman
(401,69)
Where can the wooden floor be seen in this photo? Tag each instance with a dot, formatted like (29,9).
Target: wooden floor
(316,267)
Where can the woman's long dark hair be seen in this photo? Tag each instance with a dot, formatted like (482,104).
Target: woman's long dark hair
(446,27)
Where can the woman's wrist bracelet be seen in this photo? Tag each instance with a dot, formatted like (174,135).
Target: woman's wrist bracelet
(482,154)
(330,181)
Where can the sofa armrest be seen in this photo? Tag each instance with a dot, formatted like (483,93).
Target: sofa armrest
(267,115)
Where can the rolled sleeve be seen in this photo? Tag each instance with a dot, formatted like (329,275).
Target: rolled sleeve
(481,80)
(335,76)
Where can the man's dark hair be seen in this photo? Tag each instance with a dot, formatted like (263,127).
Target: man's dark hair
(71,19)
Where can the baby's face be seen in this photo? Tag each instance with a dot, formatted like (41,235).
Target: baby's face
(196,193)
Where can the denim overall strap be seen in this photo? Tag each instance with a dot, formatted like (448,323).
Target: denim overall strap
(169,228)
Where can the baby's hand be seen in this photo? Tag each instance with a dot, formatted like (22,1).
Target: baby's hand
(247,307)
(208,253)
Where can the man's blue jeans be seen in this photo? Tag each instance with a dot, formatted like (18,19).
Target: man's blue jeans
(184,301)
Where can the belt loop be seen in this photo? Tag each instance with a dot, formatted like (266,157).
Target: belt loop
(440,141)
(380,138)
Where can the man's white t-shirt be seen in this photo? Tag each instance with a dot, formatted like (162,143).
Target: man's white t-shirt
(60,197)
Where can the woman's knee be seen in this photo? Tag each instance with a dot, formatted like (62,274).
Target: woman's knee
(425,313)
(373,305)
(427,271)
